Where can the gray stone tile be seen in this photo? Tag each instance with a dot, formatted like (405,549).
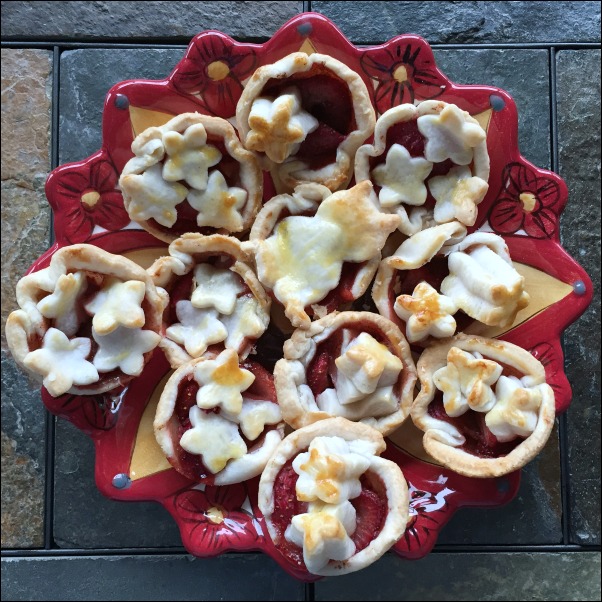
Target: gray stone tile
(161,20)
(466,22)
(26,87)
(579,164)
(86,77)
(177,577)
(484,576)
(83,518)
(509,70)
(532,517)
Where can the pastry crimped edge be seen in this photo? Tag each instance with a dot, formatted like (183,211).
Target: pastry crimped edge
(304,342)
(312,194)
(250,174)
(180,261)
(456,459)
(289,174)
(236,471)
(388,472)
(28,321)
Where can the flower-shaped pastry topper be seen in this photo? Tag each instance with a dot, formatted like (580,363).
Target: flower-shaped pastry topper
(278,126)
(426,313)
(196,329)
(61,304)
(222,382)
(62,362)
(450,135)
(219,205)
(482,280)
(457,194)
(189,157)
(117,303)
(217,288)
(401,178)
(329,471)
(516,410)
(124,348)
(466,382)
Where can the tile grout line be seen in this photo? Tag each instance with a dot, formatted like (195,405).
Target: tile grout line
(50,419)
(563,436)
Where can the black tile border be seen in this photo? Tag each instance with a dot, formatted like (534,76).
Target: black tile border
(50,548)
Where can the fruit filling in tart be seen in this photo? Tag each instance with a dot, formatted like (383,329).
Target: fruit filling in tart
(88,323)
(356,365)
(430,159)
(425,286)
(215,299)
(484,405)
(301,257)
(191,175)
(217,420)
(306,116)
(333,506)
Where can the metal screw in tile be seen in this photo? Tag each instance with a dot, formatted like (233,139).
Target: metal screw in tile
(304,29)
(121,481)
(497,102)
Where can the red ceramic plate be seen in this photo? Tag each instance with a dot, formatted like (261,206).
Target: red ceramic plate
(209,79)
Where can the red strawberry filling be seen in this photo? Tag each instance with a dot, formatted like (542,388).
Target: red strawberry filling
(480,441)
(191,465)
(370,507)
(328,99)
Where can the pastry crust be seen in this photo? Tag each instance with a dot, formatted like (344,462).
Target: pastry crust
(291,172)
(388,472)
(415,221)
(166,426)
(149,150)
(185,254)
(299,407)
(442,440)
(26,327)
(369,225)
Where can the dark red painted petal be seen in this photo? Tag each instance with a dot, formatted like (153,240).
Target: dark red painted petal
(506,216)
(541,224)
(103,177)
(230,497)
(109,213)
(77,226)
(71,184)
(377,64)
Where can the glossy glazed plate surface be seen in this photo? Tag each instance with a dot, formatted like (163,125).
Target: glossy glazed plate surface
(209,79)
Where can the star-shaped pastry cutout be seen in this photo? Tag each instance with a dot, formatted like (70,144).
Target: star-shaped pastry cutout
(279,126)
(329,471)
(219,205)
(62,362)
(117,304)
(214,438)
(367,364)
(189,157)
(466,382)
(222,382)
(61,304)
(216,287)
(124,349)
(449,135)
(457,194)
(254,415)
(401,178)
(426,313)
(515,413)
(151,197)
(197,328)
(244,322)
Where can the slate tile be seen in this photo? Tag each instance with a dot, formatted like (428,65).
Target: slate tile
(84,518)
(476,576)
(26,91)
(509,70)
(160,21)
(579,164)
(466,22)
(174,577)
